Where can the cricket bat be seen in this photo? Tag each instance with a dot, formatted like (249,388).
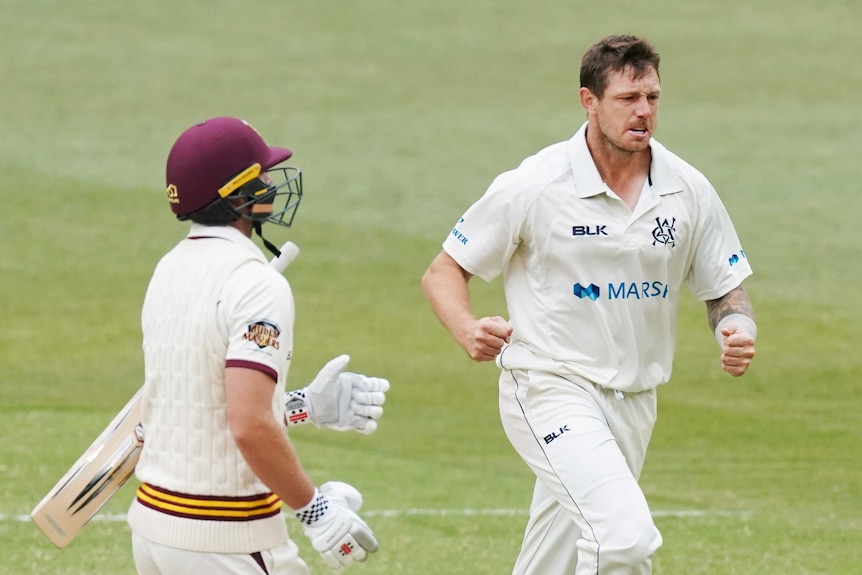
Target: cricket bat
(106,465)
(102,469)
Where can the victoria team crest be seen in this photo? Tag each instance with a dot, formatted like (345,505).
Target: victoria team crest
(663,232)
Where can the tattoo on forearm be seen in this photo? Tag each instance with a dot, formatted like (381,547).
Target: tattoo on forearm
(735,301)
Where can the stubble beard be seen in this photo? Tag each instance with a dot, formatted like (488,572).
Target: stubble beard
(616,146)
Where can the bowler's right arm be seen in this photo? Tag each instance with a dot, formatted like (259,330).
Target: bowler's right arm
(446,285)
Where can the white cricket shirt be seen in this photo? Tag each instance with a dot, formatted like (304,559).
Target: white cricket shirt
(593,287)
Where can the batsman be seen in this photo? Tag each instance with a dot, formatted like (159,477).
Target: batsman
(595,238)
(216,464)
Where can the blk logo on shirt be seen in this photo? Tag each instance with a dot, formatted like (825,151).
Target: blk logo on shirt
(589,230)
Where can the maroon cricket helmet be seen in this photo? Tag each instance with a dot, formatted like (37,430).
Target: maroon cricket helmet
(208,155)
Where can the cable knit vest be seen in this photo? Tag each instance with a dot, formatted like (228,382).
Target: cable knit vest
(199,493)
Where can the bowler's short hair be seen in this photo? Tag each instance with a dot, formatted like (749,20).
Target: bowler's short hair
(615,54)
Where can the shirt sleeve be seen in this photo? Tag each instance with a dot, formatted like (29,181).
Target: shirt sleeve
(257,308)
(486,236)
(719,263)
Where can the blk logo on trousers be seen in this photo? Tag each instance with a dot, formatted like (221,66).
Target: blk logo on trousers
(553,435)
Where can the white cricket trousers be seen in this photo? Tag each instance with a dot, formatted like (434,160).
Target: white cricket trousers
(586,446)
(156,559)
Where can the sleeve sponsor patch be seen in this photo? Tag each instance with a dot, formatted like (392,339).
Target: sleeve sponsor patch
(263,334)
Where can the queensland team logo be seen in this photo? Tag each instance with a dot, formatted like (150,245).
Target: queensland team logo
(263,334)
(173,194)
(663,232)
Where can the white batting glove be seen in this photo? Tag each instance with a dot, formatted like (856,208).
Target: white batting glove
(338,400)
(335,530)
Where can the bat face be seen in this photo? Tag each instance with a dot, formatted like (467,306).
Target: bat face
(102,469)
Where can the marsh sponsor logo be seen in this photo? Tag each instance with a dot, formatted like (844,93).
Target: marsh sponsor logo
(637,290)
(591,292)
(623,290)
(734,259)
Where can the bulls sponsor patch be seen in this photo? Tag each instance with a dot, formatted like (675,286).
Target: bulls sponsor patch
(263,334)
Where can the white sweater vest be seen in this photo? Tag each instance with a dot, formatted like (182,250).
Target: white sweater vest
(189,455)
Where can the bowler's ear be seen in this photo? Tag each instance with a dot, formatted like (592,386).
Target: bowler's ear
(588,99)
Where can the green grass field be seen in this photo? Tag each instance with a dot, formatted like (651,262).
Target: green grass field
(400,114)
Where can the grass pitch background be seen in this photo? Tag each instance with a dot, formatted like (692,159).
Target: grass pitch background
(400,114)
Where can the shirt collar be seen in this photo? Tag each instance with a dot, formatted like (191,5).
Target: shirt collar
(229,233)
(588,182)
(665,178)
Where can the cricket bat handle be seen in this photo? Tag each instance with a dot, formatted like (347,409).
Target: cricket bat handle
(289,251)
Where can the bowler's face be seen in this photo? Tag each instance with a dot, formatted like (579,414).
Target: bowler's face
(627,113)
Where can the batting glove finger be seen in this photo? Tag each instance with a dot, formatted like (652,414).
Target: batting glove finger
(368,411)
(327,397)
(368,397)
(329,373)
(372,384)
(367,394)
(362,425)
(368,427)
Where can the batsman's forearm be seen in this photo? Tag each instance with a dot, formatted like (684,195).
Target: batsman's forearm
(733,302)
(271,457)
(261,438)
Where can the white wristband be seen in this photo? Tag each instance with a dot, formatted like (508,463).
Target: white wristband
(742,323)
